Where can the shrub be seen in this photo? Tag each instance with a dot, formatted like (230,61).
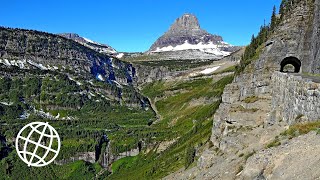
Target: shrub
(246,157)
(274,143)
(190,155)
(302,128)
(251,99)
(240,168)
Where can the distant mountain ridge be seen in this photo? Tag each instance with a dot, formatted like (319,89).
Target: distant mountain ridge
(29,49)
(186,34)
(102,48)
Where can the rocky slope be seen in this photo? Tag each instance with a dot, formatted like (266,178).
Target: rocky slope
(84,93)
(261,103)
(102,48)
(34,50)
(185,35)
(296,159)
(45,51)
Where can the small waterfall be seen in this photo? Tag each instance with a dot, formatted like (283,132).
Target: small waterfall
(104,155)
(106,160)
(4,148)
(103,152)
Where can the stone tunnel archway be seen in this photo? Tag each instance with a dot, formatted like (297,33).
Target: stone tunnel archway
(295,62)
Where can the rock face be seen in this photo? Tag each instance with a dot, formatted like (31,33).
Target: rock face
(295,99)
(147,74)
(33,50)
(102,48)
(262,102)
(186,34)
(185,28)
(83,156)
(261,78)
(298,159)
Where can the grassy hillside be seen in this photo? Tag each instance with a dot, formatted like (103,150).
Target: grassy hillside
(175,65)
(82,112)
(186,109)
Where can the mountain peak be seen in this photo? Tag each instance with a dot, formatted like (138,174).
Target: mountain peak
(69,35)
(185,34)
(187,22)
(102,48)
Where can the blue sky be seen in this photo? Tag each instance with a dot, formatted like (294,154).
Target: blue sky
(133,25)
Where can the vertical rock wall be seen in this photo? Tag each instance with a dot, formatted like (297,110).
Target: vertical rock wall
(296,34)
(294,99)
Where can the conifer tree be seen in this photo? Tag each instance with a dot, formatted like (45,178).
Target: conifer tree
(273,19)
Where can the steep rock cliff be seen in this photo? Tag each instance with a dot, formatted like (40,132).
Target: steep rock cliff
(27,48)
(263,102)
(24,51)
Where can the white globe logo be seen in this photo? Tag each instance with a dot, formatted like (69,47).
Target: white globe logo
(35,142)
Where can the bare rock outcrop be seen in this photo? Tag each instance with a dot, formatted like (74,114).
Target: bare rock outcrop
(262,102)
(297,159)
(188,41)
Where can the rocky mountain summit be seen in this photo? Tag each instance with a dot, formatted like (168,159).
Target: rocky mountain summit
(102,48)
(186,34)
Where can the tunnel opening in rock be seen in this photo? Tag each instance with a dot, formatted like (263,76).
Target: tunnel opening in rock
(291,65)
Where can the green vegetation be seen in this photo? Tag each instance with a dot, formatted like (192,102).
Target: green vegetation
(124,163)
(311,74)
(251,99)
(85,114)
(91,116)
(13,168)
(185,118)
(246,157)
(240,108)
(294,131)
(253,50)
(43,44)
(288,5)
(302,128)
(186,109)
(190,155)
(175,65)
(276,142)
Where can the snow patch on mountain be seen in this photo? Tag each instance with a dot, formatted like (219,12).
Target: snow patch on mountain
(208,48)
(209,70)
(102,48)
(100,77)
(90,41)
(120,55)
